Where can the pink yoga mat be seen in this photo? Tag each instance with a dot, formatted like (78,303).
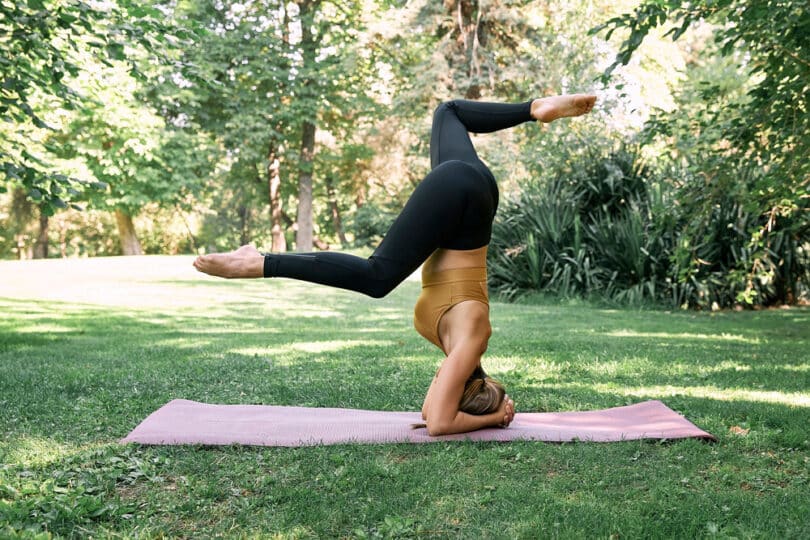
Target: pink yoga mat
(188,422)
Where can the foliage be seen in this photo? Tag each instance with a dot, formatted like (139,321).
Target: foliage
(130,150)
(40,40)
(370,223)
(254,94)
(168,230)
(586,233)
(75,494)
(232,217)
(607,226)
(497,51)
(208,106)
(744,148)
(773,125)
(83,233)
(130,340)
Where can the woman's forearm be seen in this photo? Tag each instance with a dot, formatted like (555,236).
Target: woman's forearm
(464,423)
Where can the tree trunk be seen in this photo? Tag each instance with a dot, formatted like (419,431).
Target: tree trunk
(333,205)
(288,221)
(21,214)
(303,237)
(63,241)
(41,247)
(126,233)
(470,34)
(279,242)
(244,224)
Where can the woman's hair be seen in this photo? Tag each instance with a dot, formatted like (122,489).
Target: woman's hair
(482,394)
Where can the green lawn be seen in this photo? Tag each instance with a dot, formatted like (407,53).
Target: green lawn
(88,348)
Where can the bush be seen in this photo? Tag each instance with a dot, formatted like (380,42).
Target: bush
(369,224)
(607,227)
(587,233)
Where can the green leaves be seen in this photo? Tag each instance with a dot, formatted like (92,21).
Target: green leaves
(51,40)
(743,149)
(116,51)
(78,491)
(609,228)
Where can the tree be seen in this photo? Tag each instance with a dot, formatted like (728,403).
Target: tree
(281,70)
(124,146)
(494,50)
(753,149)
(39,39)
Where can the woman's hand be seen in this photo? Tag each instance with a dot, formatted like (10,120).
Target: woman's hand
(506,412)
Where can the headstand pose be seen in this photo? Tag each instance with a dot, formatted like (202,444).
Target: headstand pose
(446,224)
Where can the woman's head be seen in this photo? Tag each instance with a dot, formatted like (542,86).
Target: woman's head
(482,394)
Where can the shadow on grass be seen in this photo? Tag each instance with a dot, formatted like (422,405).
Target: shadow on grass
(106,369)
(77,377)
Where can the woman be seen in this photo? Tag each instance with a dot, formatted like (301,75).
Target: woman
(446,224)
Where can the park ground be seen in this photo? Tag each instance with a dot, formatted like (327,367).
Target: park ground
(89,347)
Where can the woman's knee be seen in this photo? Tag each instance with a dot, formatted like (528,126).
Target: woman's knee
(384,277)
(457,171)
(445,107)
(380,289)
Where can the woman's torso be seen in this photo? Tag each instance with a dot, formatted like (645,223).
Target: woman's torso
(448,259)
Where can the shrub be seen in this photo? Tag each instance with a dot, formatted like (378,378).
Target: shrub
(606,226)
(369,224)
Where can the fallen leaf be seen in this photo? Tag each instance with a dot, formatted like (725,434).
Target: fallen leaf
(737,430)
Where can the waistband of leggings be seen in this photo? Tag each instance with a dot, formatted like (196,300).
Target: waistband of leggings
(473,273)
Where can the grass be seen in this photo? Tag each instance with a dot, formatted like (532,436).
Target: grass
(88,348)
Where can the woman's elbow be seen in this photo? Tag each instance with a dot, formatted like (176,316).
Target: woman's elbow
(436,429)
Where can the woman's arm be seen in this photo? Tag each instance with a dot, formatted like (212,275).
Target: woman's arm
(440,409)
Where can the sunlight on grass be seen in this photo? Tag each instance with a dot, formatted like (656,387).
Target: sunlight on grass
(317,313)
(80,373)
(313,347)
(43,328)
(375,318)
(368,330)
(30,451)
(725,366)
(712,392)
(804,368)
(687,336)
(232,329)
(150,281)
(500,364)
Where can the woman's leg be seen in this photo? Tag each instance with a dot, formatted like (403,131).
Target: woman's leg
(433,216)
(454,120)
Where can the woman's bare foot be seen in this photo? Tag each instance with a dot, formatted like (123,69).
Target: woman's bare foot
(551,108)
(245,262)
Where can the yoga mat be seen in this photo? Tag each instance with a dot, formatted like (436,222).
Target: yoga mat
(189,422)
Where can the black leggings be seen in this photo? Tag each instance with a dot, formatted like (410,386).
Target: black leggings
(452,208)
